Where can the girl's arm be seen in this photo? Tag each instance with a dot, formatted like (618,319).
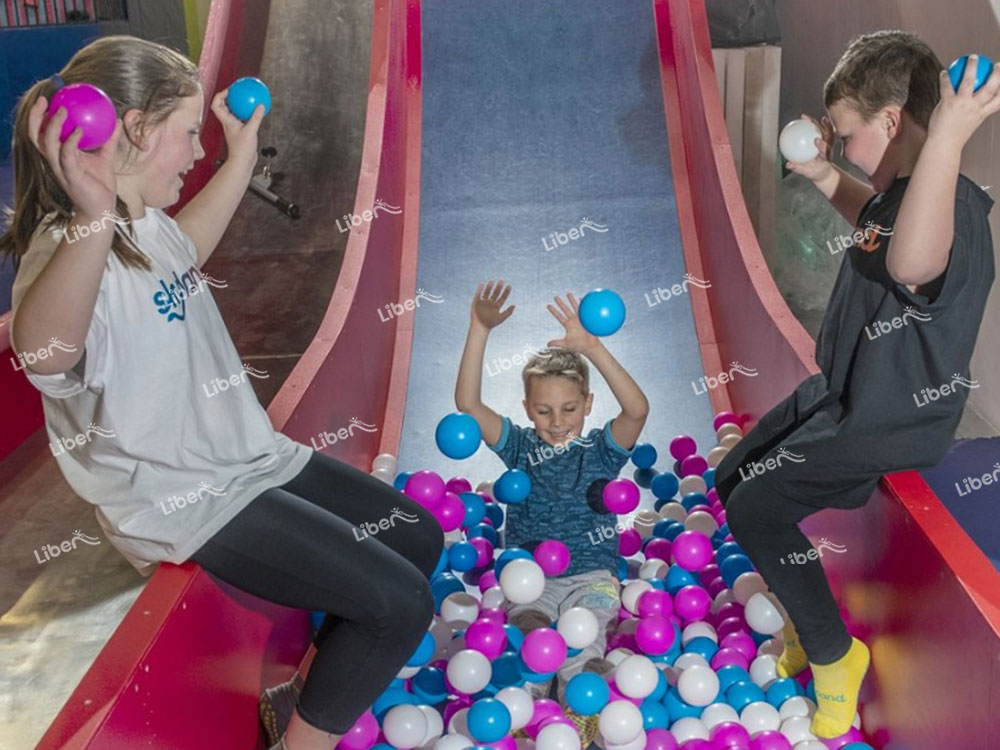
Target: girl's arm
(205,218)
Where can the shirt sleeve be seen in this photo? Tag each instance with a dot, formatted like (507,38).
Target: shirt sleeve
(613,456)
(87,369)
(508,446)
(185,238)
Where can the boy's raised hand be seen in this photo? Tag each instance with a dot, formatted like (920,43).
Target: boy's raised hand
(486,305)
(958,114)
(820,166)
(577,338)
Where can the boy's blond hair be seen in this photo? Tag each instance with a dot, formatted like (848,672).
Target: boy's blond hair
(883,68)
(557,362)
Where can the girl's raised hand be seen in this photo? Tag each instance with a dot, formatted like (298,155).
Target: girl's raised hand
(87,177)
(241,137)
(486,305)
(577,338)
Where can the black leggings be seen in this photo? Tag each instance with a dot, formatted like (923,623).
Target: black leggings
(765,525)
(298,545)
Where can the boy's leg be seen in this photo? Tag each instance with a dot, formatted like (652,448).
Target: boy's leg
(538,614)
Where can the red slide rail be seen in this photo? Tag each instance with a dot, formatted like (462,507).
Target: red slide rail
(915,584)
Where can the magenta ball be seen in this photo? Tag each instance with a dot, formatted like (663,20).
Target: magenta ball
(699,744)
(729,625)
(556,720)
(452,707)
(730,735)
(693,465)
(87,108)
(708,574)
(724,417)
(716,587)
(770,739)
(659,549)
(730,609)
(660,739)
(726,656)
(488,580)
(543,650)
(629,542)
(692,602)
(655,602)
(544,709)
(487,637)
(712,495)
(458,485)
(426,487)
(552,557)
(692,550)
(484,555)
(851,735)
(655,635)
(449,512)
(621,496)
(742,642)
(504,743)
(362,735)
(495,614)
(682,446)
(614,695)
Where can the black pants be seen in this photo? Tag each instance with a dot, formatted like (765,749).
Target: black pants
(298,545)
(765,525)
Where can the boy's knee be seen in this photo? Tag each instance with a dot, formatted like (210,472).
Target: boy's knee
(530,619)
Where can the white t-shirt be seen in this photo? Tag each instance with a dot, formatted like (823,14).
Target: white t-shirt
(158,425)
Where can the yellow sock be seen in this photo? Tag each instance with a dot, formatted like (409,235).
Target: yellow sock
(837,686)
(793,659)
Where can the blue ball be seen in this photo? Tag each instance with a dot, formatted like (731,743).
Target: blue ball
(660,529)
(780,690)
(658,583)
(678,578)
(511,553)
(733,567)
(429,686)
(458,435)
(602,312)
(709,477)
(673,530)
(392,696)
(488,720)
(811,690)
(644,477)
(506,671)
(678,707)
(654,715)
(957,70)
(730,675)
(665,485)
(442,585)
(702,645)
(424,651)
(316,618)
(857,746)
(245,94)
(727,549)
(400,481)
(622,568)
(514,637)
(739,695)
(587,693)
(484,530)
(692,499)
(495,513)
(475,508)
(462,556)
(531,675)
(513,486)
(661,687)
(644,455)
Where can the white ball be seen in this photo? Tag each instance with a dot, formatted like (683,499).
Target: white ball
(729,441)
(644,521)
(435,725)
(698,685)
(492,598)
(385,473)
(618,655)
(728,429)
(747,584)
(772,647)
(654,568)
(718,713)
(557,736)
(797,705)
(760,716)
(578,626)
(520,704)
(453,742)
(631,593)
(620,722)
(723,597)
(764,670)
(716,455)
(469,671)
(797,141)
(385,459)
(809,745)
(524,743)
(673,511)
(459,722)
(698,630)
(407,672)
(688,728)
(453,647)
(404,726)
(701,521)
(486,488)
(459,610)
(522,581)
(637,744)
(690,659)
(636,676)
(441,631)
(693,483)
(763,615)
(629,626)
(797,729)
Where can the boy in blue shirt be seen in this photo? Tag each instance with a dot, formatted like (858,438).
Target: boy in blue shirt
(568,471)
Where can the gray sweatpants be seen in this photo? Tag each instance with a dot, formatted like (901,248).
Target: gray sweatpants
(596,590)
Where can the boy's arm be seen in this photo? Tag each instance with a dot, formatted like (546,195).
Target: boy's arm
(467,388)
(846,193)
(628,424)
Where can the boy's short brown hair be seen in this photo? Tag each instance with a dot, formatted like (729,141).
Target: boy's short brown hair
(883,68)
(557,362)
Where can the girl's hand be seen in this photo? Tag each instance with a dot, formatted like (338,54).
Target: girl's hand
(486,306)
(87,177)
(958,114)
(820,167)
(577,338)
(241,137)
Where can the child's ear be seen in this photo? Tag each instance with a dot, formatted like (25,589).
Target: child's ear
(132,124)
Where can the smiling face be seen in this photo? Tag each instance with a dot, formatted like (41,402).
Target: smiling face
(557,407)
(868,145)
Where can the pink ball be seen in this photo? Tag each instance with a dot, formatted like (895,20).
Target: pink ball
(629,542)
(699,744)
(724,417)
(693,465)
(716,587)
(449,512)
(655,602)
(544,709)
(655,635)
(496,615)
(731,609)
(730,625)
(487,520)
(660,739)
(362,735)
(487,637)
(742,642)
(712,495)
(552,557)
(659,549)
(614,695)
(484,556)
(458,485)
(708,574)
(770,739)
(730,735)
(504,743)
(426,487)
(543,650)
(692,602)
(88,108)
(726,656)
(621,640)
(682,446)
(486,498)
(720,519)
(488,580)
(621,496)
(452,707)
(692,550)
(851,735)
(556,720)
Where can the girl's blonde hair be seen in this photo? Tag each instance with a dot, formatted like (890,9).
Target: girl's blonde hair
(557,362)
(135,74)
